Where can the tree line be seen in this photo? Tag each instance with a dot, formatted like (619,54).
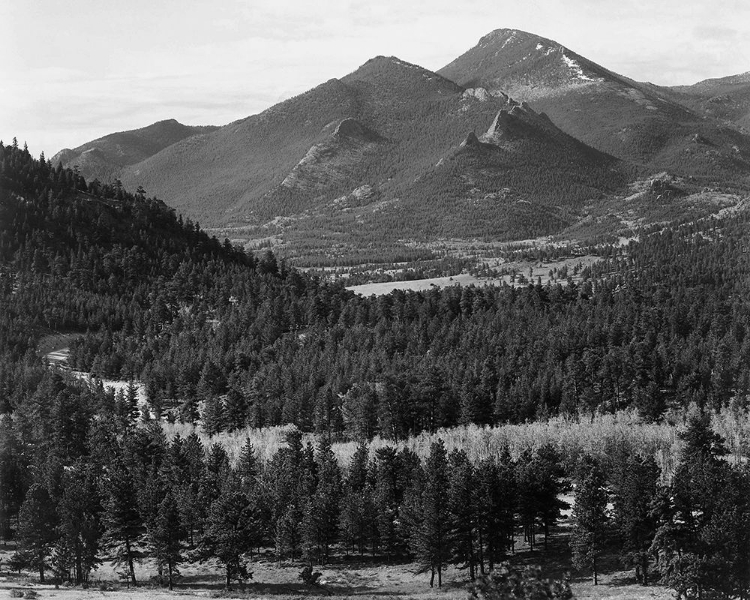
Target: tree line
(129,493)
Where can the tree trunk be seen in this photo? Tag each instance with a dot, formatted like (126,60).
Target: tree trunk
(131,567)
(432,576)
(480,551)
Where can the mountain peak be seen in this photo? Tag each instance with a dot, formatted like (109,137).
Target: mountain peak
(517,121)
(506,37)
(522,64)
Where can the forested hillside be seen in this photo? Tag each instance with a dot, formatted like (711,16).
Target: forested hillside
(228,340)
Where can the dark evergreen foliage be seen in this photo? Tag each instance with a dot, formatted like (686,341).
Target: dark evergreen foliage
(220,337)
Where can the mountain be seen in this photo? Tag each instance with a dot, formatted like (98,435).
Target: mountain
(523,177)
(630,120)
(356,158)
(105,157)
(517,138)
(726,99)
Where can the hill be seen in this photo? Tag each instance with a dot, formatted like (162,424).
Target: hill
(105,157)
(726,99)
(630,120)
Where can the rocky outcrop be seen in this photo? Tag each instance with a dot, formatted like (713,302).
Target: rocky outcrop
(329,163)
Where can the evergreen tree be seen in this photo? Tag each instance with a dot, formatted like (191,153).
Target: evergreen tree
(589,516)
(496,507)
(386,499)
(122,520)
(80,529)
(356,522)
(462,511)
(229,534)
(431,544)
(165,538)
(701,542)
(12,475)
(321,515)
(636,490)
(36,528)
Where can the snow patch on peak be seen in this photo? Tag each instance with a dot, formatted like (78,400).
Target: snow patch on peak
(576,68)
(510,39)
(539,46)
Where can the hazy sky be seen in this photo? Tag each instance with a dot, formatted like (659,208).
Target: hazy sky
(76,70)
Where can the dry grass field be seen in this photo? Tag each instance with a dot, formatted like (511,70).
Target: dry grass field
(352,577)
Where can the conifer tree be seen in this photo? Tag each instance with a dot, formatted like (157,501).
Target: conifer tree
(12,476)
(496,502)
(636,490)
(122,520)
(356,521)
(462,510)
(165,538)
(36,528)
(79,511)
(431,544)
(590,516)
(386,499)
(229,534)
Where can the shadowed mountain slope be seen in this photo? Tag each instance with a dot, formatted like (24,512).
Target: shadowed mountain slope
(382,125)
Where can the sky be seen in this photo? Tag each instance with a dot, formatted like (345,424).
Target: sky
(74,71)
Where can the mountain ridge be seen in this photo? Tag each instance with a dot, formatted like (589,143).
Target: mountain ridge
(633,121)
(393,153)
(105,157)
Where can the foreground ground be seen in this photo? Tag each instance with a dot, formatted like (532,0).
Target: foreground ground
(348,577)
(341,581)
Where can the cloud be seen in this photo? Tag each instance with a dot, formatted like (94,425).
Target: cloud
(106,66)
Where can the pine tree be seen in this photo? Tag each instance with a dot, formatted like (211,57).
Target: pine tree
(122,520)
(356,523)
(635,493)
(79,510)
(165,538)
(462,510)
(12,475)
(229,534)
(386,499)
(431,544)
(36,528)
(590,516)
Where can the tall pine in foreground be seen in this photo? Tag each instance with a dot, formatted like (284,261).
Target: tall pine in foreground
(590,520)
(165,538)
(36,530)
(702,543)
(230,533)
(636,488)
(122,520)
(431,545)
(79,511)
(462,505)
